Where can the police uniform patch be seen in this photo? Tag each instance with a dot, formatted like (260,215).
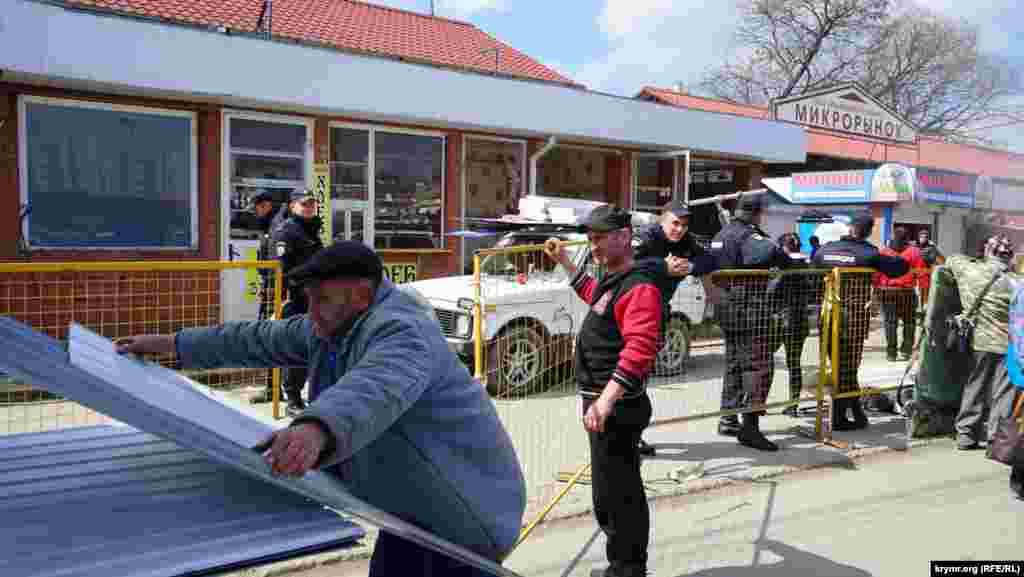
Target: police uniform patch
(756,236)
(282,248)
(637,242)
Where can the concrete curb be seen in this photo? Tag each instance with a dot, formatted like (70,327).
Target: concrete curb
(364,548)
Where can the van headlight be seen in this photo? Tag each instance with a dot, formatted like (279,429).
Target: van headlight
(462,325)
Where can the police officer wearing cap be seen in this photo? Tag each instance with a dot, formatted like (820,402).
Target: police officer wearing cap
(393,414)
(615,351)
(295,238)
(853,251)
(670,242)
(743,315)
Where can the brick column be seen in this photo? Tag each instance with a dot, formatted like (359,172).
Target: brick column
(10,198)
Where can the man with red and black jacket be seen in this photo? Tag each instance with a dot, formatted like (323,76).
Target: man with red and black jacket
(899,302)
(615,351)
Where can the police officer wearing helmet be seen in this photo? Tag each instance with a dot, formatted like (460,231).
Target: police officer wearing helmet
(852,251)
(743,315)
(296,238)
(670,243)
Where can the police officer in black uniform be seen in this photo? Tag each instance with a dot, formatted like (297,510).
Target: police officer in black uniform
(855,251)
(296,238)
(671,244)
(743,315)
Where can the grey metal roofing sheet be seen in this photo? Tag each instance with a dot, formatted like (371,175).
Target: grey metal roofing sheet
(114,501)
(163,402)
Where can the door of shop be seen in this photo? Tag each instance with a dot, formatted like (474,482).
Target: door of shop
(659,178)
(350,184)
(262,154)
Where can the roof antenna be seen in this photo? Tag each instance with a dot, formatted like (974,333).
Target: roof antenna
(268,14)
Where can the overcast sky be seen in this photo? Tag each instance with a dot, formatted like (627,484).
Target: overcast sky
(619,46)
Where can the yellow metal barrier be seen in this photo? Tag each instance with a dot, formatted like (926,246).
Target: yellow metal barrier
(119,299)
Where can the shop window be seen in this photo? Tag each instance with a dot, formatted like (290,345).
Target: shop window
(265,157)
(99,176)
(564,173)
(408,190)
(350,182)
(653,188)
(494,184)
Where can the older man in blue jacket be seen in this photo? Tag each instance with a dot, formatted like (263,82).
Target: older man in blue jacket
(393,412)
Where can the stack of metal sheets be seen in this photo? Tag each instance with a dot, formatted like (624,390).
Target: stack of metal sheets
(164,403)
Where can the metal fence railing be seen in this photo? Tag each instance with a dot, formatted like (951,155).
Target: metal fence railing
(119,299)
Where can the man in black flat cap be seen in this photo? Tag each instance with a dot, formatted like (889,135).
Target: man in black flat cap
(743,314)
(851,251)
(615,351)
(670,242)
(393,412)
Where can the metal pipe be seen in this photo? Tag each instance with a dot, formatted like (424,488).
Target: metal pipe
(478,336)
(275,387)
(551,143)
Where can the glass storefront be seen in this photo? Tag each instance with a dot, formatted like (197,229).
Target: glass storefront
(388,187)
(264,157)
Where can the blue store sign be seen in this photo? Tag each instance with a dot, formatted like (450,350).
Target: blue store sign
(945,187)
(835,187)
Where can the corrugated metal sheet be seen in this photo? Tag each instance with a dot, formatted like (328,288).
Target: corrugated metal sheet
(162,402)
(113,501)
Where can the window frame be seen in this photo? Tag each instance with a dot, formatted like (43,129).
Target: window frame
(25,99)
(371,167)
(227,152)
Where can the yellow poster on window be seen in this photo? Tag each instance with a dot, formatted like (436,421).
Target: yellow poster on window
(253,282)
(322,191)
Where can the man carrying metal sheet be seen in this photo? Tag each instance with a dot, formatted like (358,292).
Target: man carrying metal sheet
(615,351)
(393,412)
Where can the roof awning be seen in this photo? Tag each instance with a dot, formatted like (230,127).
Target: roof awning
(51,45)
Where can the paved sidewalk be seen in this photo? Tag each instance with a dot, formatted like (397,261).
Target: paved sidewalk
(696,450)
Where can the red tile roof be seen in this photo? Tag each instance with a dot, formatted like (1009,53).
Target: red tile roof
(352,26)
(673,98)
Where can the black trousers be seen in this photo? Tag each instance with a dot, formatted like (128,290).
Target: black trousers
(899,305)
(748,369)
(293,378)
(394,556)
(620,502)
(790,330)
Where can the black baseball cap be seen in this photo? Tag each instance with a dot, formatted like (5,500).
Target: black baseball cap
(606,218)
(345,259)
(262,197)
(678,208)
(862,218)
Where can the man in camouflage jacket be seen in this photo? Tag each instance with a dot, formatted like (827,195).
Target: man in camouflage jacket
(988,387)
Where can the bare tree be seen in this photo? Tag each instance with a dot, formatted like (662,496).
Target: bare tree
(928,68)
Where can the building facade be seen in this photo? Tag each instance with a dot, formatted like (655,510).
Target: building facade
(136,131)
(857,148)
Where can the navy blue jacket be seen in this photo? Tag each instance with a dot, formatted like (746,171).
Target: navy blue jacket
(849,252)
(295,241)
(651,244)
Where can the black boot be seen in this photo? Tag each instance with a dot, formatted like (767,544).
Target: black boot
(750,435)
(839,420)
(860,420)
(729,426)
